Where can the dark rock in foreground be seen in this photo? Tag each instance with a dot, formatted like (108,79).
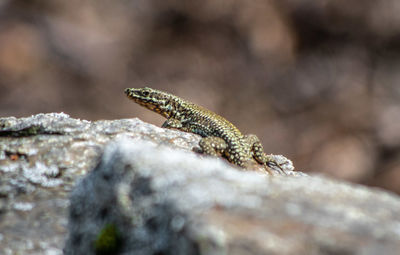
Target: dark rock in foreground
(143,198)
(41,158)
(149,194)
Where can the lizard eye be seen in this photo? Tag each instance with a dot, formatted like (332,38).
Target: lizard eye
(146,93)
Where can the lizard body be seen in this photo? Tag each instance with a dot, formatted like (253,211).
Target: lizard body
(220,137)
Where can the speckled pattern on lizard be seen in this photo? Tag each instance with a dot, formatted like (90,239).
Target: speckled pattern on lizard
(219,136)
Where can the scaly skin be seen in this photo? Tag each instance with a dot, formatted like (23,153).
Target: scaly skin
(220,137)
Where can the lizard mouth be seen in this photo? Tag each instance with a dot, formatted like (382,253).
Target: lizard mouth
(130,92)
(140,96)
(134,94)
(143,93)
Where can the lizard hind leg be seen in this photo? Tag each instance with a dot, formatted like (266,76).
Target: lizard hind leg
(259,155)
(212,145)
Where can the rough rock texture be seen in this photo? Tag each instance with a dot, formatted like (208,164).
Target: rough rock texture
(149,194)
(41,158)
(148,199)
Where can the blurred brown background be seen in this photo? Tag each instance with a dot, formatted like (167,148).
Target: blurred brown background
(317,81)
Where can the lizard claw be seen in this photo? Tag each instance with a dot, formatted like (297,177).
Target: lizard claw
(275,165)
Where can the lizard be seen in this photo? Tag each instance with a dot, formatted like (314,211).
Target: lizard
(219,136)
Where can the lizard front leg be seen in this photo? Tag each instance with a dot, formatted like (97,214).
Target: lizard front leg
(183,125)
(258,153)
(172,123)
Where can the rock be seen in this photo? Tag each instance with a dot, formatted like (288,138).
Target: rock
(42,157)
(146,198)
(149,194)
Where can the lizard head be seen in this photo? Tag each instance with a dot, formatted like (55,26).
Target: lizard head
(152,99)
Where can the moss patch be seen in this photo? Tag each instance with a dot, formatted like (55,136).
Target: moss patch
(108,241)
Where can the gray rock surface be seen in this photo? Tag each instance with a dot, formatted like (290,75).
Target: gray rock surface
(41,158)
(143,198)
(149,194)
